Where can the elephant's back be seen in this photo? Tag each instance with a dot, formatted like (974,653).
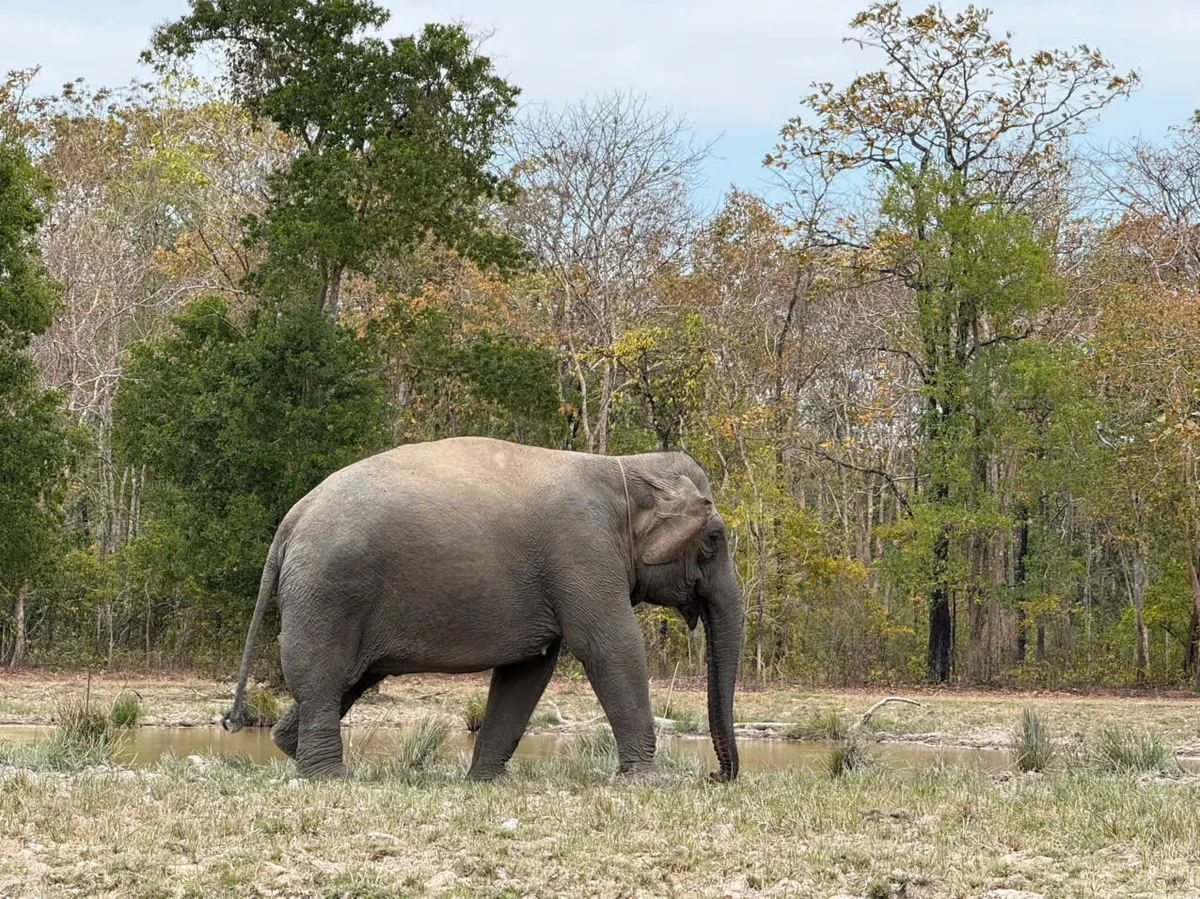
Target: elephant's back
(455,469)
(416,505)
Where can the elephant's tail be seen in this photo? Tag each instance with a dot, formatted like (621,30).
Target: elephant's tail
(235,719)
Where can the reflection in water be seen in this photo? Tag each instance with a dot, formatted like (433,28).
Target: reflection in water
(146,745)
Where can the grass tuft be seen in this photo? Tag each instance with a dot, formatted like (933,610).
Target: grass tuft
(823,725)
(83,737)
(849,755)
(1032,748)
(1120,750)
(595,750)
(419,747)
(473,710)
(543,719)
(262,709)
(127,710)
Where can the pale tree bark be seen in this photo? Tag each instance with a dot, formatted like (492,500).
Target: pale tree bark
(1133,557)
(1194,580)
(18,653)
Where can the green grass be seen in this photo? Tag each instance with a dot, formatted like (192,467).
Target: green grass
(684,720)
(473,711)
(1122,750)
(262,709)
(1032,747)
(420,745)
(127,710)
(850,754)
(825,724)
(83,737)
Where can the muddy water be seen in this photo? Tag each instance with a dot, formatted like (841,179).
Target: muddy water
(146,745)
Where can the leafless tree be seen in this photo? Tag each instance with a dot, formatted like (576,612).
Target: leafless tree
(607,205)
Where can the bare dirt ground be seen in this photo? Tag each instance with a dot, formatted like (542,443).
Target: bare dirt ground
(974,718)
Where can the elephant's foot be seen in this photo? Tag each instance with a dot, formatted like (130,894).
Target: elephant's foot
(334,771)
(484,774)
(643,775)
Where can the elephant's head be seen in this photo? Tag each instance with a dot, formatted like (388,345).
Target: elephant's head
(683,560)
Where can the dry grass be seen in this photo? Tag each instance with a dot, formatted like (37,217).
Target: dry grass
(222,827)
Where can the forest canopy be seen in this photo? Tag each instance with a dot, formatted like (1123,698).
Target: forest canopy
(947,389)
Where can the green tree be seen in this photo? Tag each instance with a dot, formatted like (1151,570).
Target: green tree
(238,420)
(963,134)
(979,274)
(35,441)
(397,136)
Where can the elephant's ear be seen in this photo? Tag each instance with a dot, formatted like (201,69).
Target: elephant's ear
(679,515)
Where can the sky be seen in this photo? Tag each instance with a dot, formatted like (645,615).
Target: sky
(734,68)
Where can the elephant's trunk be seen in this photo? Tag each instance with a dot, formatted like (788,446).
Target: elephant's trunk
(723,632)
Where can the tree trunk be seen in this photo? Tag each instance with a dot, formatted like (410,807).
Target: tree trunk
(335,292)
(977,612)
(607,382)
(1135,576)
(1022,555)
(937,657)
(1194,578)
(18,653)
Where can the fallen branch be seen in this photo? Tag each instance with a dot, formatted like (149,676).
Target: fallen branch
(866,716)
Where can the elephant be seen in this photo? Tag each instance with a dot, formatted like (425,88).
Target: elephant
(470,554)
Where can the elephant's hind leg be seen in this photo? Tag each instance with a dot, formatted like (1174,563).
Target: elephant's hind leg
(286,732)
(513,695)
(319,754)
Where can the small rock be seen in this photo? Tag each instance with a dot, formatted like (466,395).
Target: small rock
(382,837)
(442,880)
(293,784)
(785,887)
(1011,894)
(737,888)
(510,825)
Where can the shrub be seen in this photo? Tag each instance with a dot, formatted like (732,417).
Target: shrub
(473,711)
(126,710)
(1032,748)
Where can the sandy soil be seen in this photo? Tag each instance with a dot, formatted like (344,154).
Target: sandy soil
(977,718)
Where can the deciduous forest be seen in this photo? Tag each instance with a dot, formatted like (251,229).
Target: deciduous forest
(945,377)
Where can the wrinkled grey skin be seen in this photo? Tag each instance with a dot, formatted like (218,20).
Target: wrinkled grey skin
(471,554)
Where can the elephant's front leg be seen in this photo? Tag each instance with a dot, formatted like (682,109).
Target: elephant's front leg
(614,657)
(513,695)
